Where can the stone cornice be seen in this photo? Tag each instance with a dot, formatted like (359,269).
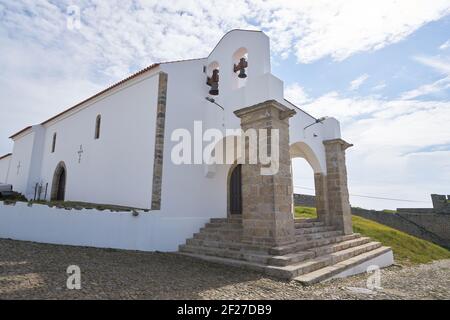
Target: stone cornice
(285,112)
(340,141)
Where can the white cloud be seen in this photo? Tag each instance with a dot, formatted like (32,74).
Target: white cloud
(437,86)
(355,84)
(379,86)
(343,108)
(445,45)
(341,28)
(374,122)
(395,153)
(440,64)
(122,33)
(296,94)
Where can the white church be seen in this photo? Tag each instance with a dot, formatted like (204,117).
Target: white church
(117,147)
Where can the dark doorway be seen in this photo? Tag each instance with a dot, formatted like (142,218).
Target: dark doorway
(59,183)
(236,190)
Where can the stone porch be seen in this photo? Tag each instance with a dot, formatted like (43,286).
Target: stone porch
(319,252)
(267,237)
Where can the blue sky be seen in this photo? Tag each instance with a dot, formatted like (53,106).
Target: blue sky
(393,66)
(381,67)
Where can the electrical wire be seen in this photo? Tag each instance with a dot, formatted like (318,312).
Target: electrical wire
(371,197)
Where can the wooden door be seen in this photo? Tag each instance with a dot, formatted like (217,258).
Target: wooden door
(236,190)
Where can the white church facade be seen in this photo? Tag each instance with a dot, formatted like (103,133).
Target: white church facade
(117,147)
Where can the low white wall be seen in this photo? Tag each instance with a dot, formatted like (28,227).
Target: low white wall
(381,261)
(150,231)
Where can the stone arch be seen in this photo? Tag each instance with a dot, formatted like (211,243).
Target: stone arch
(302,150)
(59,182)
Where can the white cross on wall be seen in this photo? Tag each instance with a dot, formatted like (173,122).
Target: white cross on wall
(80,152)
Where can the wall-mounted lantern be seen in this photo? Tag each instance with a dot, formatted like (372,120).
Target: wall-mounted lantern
(241,68)
(213,82)
(320,120)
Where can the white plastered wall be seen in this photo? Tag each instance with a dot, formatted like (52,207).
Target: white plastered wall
(115,169)
(4,168)
(21,161)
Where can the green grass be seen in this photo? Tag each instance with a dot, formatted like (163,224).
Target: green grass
(407,249)
(305,212)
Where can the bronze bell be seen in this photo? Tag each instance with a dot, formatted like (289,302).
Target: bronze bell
(242,74)
(241,68)
(213,82)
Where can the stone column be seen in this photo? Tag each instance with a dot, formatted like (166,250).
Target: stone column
(320,184)
(267,216)
(337,190)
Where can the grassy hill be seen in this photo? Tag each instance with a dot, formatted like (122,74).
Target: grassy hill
(407,249)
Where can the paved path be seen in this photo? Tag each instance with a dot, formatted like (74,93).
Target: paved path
(32,271)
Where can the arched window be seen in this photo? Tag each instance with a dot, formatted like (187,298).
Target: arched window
(54,142)
(97,126)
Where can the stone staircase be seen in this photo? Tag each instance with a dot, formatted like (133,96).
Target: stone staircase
(320,252)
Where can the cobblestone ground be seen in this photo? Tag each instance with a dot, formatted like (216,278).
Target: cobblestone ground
(38,271)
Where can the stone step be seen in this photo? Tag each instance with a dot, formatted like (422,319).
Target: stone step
(236,250)
(226,225)
(245,255)
(219,226)
(293,258)
(295,270)
(325,241)
(300,246)
(222,232)
(330,271)
(318,235)
(300,231)
(218,236)
(290,258)
(236,234)
(225,220)
(226,244)
(230,262)
(307,278)
(308,223)
(335,247)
